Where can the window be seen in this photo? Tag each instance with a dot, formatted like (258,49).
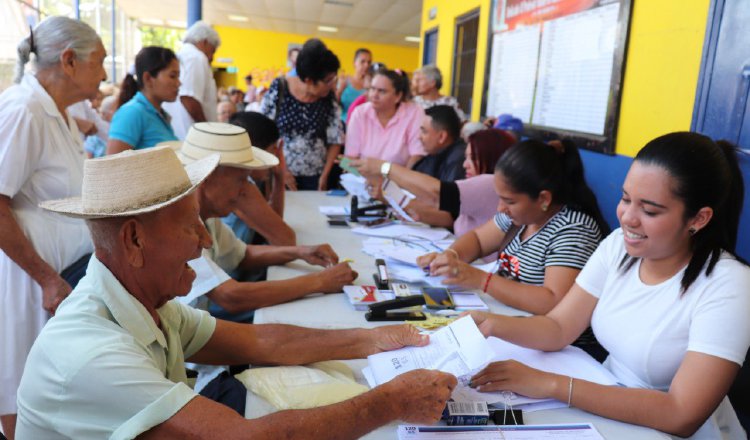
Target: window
(430,47)
(465,56)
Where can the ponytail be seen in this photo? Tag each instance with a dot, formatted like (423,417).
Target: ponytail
(399,81)
(577,192)
(128,89)
(705,174)
(24,55)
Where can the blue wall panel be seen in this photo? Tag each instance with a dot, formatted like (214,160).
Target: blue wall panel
(605,175)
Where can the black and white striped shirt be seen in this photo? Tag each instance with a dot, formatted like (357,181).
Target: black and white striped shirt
(567,239)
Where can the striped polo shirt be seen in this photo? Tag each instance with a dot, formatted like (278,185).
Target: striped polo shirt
(567,239)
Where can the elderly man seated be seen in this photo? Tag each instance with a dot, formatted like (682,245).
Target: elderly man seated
(218,196)
(110,364)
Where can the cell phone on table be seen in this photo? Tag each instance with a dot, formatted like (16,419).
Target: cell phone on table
(377,222)
(437,298)
(337,223)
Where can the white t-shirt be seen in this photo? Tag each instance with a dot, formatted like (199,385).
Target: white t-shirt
(648,329)
(197,81)
(41,158)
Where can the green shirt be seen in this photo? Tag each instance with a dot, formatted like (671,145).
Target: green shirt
(101,368)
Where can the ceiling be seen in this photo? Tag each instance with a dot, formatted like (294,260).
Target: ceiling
(378,21)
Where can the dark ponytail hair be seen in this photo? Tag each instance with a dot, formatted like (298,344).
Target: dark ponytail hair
(360,51)
(151,59)
(399,81)
(705,174)
(531,166)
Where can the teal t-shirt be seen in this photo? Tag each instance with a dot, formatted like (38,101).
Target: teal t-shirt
(347,97)
(140,124)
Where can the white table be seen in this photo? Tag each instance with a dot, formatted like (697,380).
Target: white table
(334,311)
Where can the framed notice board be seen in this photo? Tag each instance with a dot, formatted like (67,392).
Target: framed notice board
(558,65)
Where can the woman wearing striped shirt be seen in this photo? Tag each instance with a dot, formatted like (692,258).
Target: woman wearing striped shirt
(544,195)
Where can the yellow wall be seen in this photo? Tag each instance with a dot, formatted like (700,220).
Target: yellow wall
(445,21)
(264,53)
(662,66)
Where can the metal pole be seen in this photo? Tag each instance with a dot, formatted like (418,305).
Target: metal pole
(195,11)
(77,8)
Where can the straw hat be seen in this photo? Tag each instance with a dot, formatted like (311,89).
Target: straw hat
(230,141)
(133,182)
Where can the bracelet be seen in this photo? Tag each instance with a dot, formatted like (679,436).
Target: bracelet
(487,282)
(570,390)
(455,252)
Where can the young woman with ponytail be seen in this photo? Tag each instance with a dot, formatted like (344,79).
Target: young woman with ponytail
(665,294)
(556,222)
(140,121)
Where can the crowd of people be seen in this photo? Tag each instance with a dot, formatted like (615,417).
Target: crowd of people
(185,195)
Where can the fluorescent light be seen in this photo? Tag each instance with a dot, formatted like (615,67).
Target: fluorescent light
(412,39)
(241,18)
(328,29)
(152,21)
(177,23)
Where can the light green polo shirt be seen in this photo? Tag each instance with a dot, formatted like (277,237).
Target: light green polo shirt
(101,368)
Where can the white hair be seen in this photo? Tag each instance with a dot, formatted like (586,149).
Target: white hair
(432,73)
(202,31)
(51,38)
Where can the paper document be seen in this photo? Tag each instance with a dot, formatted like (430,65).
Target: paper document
(208,276)
(334,210)
(355,185)
(571,361)
(578,431)
(459,349)
(404,232)
(397,198)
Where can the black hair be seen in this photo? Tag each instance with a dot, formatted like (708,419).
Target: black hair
(151,59)
(249,77)
(399,81)
(360,51)
(532,166)
(262,130)
(444,117)
(315,61)
(705,174)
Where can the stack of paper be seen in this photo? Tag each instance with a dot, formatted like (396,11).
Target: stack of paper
(404,232)
(578,431)
(459,349)
(355,185)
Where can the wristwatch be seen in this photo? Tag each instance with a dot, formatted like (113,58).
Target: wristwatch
(385,169)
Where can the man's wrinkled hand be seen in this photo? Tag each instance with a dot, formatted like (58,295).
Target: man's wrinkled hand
(319,255)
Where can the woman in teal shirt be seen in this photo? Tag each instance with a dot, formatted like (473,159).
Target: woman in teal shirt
(351,87)
(139,121)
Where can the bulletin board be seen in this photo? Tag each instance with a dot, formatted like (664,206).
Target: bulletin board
(558,66)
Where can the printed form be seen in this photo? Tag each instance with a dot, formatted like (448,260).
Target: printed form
(578,431)
(459,349)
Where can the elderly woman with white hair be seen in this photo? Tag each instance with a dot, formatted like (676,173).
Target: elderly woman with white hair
(197,96)
(41,157)
(427,82)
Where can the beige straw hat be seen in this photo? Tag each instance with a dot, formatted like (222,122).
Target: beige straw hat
(133,182)
(231,142)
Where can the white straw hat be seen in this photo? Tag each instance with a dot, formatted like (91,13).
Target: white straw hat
(175,145)
(231,142)
(133,182)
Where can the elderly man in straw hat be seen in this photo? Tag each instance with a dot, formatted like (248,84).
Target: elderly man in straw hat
(218,196)
(110,364)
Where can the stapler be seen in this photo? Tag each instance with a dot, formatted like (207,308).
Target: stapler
(368,211)
(384,310)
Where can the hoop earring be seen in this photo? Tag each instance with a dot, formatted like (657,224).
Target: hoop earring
(692,231)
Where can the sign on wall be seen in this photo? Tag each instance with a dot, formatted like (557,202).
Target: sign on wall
(557,65)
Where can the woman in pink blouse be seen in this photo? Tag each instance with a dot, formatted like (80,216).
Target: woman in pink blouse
(386,127)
